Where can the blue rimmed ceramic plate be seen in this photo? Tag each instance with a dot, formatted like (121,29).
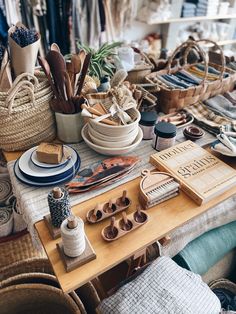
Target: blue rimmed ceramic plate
(27,181)
(35,173)
(65,159)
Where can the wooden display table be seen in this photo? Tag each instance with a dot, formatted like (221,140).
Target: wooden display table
(163,219)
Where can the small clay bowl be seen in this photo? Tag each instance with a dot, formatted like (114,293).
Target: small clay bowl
(109,210)
(140,217)
(193,131)
(110,233)
(91,215)
(127,202)
(125,226)
(192,137)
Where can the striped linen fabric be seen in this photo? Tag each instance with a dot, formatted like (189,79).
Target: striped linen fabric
(209,120)
(163,288)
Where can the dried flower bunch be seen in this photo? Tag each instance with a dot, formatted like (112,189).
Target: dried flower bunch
(24,37)
(2,51)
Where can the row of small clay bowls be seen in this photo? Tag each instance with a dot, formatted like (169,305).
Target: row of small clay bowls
(113,140)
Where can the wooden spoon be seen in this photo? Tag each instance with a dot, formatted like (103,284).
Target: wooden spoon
(55,47)
(84,71)
(139,216)
(46,69)
(58,67)
(76,67)
(111,231)
(110,207)
(95,215)
(125,224)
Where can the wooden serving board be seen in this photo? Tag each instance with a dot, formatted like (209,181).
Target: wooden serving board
(72,263)
(54,232)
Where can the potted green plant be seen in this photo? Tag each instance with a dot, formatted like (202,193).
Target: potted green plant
(101,63)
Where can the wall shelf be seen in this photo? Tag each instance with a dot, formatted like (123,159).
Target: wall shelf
(195,19)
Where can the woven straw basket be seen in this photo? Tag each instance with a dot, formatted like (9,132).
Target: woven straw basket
(46,279)
(138,74)
(176,99)
(25,115)
(37,299)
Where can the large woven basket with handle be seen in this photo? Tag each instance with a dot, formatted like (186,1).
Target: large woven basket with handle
(25,115)
(176,99)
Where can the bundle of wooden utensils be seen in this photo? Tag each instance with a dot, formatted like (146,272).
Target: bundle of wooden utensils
(66,78)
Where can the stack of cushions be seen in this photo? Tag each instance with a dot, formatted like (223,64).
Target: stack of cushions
(205,251)
(163,288)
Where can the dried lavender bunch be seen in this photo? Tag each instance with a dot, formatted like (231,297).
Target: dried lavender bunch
(24,37)
(2,50)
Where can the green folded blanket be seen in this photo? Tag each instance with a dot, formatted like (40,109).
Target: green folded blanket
(205,251)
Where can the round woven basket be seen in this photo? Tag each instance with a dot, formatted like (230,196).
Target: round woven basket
(40,278)
(30,265)
(36,299)
(224,284)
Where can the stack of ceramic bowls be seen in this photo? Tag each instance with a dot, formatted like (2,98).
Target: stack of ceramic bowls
(29,170)
(113,140)
(193,133)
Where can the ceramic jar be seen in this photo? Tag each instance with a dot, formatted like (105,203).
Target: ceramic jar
(147,123)
(69,127)
(164,136)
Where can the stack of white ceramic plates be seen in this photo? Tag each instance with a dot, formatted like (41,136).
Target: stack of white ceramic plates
(32,172)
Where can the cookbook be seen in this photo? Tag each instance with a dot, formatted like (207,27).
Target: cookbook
(202,175)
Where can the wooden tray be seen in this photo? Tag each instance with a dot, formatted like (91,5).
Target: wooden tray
(71,263)
(108,209)
(125,225)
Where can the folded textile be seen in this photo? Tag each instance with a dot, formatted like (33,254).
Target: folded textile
(205,251)
(210,121)
(199,73)
(163,288)
(231,96)
(188,5)
(222,106)
(187,78)
(168,83)
(211,70)
(175,80)
(228,139)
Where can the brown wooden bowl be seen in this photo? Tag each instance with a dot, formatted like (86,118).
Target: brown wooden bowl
(110,232)
(140,217)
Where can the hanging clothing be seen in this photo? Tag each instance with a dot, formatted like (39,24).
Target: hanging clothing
(3,28)
(13,14)
(86,23)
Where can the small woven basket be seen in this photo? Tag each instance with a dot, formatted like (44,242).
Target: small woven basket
(138,74)
(176,99)
(25,115)
(38,277)
(37,299)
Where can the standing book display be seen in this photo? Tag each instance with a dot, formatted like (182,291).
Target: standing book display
(202,175)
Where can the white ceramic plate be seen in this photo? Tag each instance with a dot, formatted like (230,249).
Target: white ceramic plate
(27,167)
(220,152)
(64,161)
(21,177)
(111,151)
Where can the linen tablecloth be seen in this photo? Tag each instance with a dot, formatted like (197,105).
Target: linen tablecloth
(32,201)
